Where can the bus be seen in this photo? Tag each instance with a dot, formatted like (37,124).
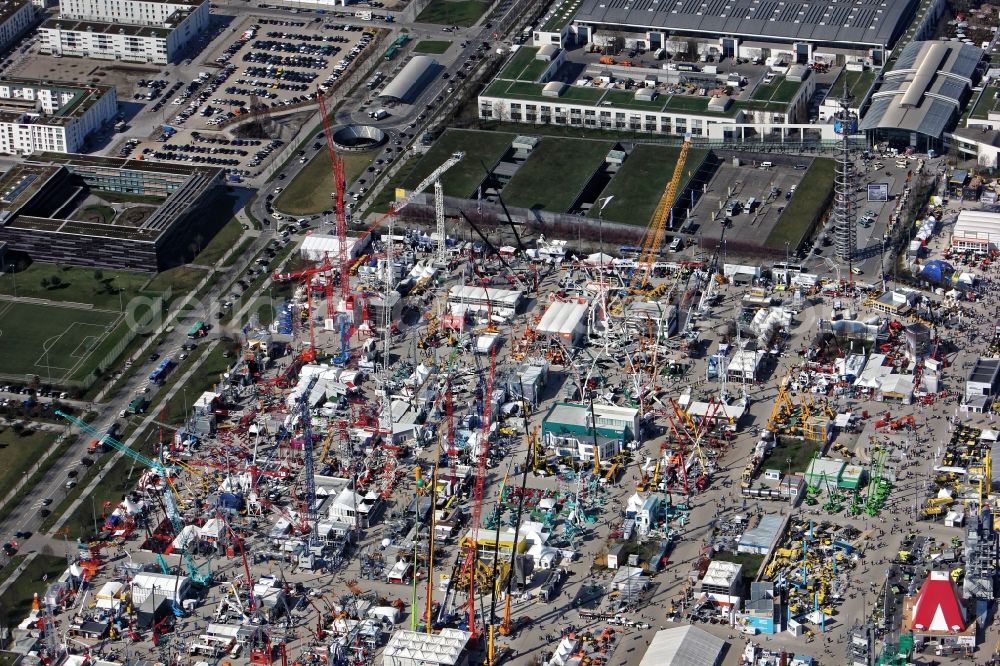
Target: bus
(162,370)
(198,330)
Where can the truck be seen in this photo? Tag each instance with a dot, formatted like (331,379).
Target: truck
(364,16)
(198,329)
(137,405)
(379,114)
(606,60)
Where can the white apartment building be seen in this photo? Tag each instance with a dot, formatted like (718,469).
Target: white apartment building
(129,30)
(132,12)
(37,116)
(16,16)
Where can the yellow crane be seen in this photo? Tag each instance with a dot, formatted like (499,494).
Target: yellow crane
(653,238)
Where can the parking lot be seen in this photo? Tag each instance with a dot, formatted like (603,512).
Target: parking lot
(238,156)
(274,63)
(751,197)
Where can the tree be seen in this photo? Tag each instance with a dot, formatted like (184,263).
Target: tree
(98,275)
(45,283)
(55,281)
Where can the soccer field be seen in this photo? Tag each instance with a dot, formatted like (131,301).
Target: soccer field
(50,341)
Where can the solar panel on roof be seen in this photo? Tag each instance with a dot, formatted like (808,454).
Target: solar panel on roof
(21,186)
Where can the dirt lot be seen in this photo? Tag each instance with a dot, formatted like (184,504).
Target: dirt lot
(123,76)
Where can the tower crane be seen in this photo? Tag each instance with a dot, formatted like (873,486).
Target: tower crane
(340,211)
(477,494)
(385,416)
(309,517)
(170,502)
(653,238)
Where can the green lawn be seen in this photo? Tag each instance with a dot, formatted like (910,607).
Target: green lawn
(432,46)
(639,184)
(554,174)
(808,203)
(781,91)
(751,563)
(453,12)
(15,603)
(523,57)
(20,452)
(535,69)
(462,179)
(563,14)
(858,84)
(181,280)
(764,91)
(97,287)
(786,91)
(240,251)
(263,307)
(50,341)
(387,194)
(224,239)
(799,451)
(625,99)
(11,565)
(309,192)
(987,103)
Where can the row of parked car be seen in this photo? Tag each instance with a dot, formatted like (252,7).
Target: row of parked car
(208,85)
(262,154)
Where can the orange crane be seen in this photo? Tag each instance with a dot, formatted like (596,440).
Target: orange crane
(653,238)
(339,208)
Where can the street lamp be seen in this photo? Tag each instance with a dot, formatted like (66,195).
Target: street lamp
(600,218)
(121,303)
(788,478)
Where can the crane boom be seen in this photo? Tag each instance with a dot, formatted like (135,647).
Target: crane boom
(477,494)
(169,501)
(653,239)
(385,418)
(339,208)
(309,517)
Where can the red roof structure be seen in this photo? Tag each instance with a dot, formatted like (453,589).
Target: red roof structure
(938,607)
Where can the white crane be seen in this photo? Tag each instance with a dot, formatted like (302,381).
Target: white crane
(385,417)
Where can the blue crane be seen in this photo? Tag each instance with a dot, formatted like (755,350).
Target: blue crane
(309,518)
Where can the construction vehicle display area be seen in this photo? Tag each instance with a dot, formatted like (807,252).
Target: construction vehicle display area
(444,451)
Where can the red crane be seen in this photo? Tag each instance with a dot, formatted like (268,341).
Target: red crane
(308,355)
(339,208)
(248,578)
(477,494)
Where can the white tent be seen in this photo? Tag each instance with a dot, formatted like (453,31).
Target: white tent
(683,646)
(317,246)
(599,259)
